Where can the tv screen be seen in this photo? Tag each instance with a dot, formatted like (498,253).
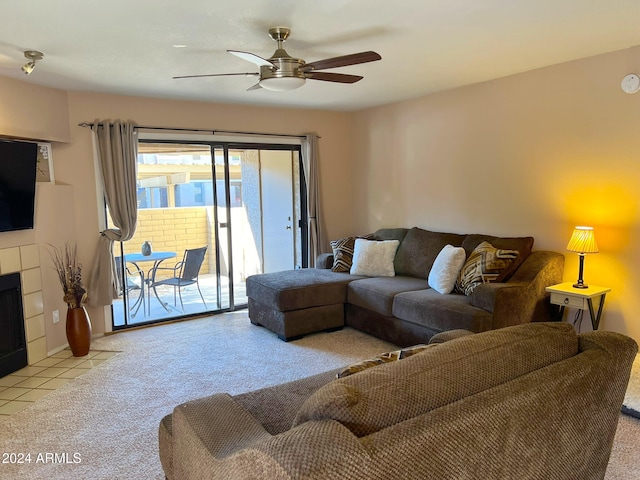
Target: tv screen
(18,164)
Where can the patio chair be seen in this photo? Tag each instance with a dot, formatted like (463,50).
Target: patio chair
(135,281)
(184,273)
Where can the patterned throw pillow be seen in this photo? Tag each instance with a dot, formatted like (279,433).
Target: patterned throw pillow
(408,351)
(382,358)
(343,252)
(486,264)
(371,362)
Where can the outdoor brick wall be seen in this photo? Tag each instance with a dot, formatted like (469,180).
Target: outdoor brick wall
(174,229)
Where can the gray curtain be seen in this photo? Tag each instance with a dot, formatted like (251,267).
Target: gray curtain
(318,242)
(116,148)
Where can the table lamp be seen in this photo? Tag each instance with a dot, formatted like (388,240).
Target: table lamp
(582,241)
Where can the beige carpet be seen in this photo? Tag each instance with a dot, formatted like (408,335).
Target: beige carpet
(106,420)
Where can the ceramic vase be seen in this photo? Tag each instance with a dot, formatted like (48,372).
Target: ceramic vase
(78,331)
(146,248)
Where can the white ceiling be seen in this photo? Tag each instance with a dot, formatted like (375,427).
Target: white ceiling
(126,46)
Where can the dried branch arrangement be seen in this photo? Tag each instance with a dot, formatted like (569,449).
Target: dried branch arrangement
(69,271)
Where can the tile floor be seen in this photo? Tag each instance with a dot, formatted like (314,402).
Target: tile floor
(20,389)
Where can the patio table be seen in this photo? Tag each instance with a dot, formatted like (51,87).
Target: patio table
(157,258)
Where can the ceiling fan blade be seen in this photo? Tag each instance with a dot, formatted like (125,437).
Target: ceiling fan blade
(333,77)
(253,58)
(257,86)
(217,75)
(343,61)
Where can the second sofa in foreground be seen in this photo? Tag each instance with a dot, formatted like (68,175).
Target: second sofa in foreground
(493,405)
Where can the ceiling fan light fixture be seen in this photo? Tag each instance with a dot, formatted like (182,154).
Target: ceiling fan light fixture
(282,84)
(281,72)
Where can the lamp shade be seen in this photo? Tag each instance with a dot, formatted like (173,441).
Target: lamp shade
(583,241)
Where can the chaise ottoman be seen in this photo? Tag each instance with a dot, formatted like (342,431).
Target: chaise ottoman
(295,303)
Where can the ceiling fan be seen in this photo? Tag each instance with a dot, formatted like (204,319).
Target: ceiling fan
(282,72)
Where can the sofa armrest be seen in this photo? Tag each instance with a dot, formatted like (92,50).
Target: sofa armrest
(209,429)
(541,266)
(216,438)
(324,260)
(523,298)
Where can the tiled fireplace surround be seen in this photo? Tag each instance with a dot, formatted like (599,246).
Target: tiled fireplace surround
(26,260)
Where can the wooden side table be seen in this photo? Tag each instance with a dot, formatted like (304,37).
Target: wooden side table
(565,295)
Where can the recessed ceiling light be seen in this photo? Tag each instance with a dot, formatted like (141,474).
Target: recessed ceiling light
(179,46)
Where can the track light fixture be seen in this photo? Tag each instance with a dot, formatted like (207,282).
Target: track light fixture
(33,56)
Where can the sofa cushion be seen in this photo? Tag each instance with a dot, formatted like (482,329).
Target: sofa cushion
(296,289)
(419,249)
(440,313)
(276,406)
(377,293)
(445,269)
(395,392)
(374,258)
(486,264)
(522,244)
(343,252)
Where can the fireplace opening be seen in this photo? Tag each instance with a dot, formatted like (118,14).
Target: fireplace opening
(13,346)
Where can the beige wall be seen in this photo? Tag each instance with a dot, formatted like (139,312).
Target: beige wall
(531,154)
(33,112)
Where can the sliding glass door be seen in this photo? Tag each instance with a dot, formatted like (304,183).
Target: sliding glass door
(211,214)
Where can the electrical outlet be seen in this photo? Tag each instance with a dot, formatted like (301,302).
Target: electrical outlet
(56,316)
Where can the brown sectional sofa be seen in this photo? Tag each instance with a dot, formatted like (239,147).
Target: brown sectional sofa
(493,405)
(403,309)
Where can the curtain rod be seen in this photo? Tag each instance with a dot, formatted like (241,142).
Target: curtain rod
(212,132)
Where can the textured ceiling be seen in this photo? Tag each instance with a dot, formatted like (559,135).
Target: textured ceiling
(127,46)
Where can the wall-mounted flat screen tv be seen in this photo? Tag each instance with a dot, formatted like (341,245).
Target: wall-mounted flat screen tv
(18,164)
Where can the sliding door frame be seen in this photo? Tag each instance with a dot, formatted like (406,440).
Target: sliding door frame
(227,146)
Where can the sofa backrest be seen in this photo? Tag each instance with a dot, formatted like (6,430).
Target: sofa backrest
(382,396)
(419,249)
(516,430)
(390,234)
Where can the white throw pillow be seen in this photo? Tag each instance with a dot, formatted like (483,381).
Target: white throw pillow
(373,258)
(446,268)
